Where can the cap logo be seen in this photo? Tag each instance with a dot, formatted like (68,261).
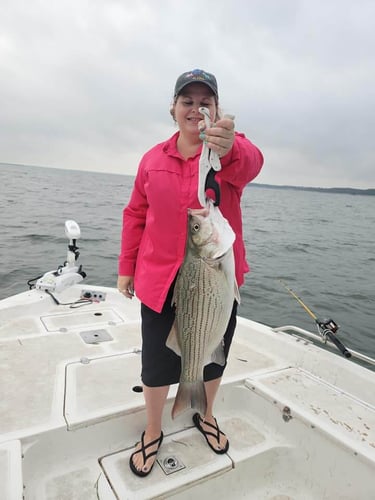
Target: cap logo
(198,74)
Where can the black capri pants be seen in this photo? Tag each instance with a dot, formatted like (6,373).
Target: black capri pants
(160,365)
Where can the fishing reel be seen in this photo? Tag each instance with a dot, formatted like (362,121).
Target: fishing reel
(327,329)
(327,325)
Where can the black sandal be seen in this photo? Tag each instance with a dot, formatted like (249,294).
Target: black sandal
(197,422)
(142,450)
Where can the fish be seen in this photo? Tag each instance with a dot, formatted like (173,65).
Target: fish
(204,294)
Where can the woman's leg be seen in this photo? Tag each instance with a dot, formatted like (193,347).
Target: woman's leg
(155,398)
(212,387)
(160,368)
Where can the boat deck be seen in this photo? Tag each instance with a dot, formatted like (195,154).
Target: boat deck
(300,420)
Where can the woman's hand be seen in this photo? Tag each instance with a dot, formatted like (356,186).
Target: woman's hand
(220,136)
(125,285)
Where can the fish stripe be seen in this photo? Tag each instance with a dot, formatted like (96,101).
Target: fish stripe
(200,303)
(204,294)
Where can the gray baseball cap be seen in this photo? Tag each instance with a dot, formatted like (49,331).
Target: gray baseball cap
(196,76)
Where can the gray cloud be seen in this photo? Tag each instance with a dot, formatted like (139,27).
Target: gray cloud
(88,84)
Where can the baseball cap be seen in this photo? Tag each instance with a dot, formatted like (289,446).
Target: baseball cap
(194,76)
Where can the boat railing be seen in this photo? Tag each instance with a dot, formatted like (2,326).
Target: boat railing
(305,333)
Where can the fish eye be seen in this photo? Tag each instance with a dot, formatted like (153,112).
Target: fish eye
(195,227)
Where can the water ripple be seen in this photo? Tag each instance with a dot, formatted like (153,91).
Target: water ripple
(322,246)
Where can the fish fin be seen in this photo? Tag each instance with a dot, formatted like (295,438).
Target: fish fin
(218,355)
(237,292)
(172,340)
(190,395)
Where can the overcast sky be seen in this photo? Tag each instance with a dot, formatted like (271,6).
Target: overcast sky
(87,84)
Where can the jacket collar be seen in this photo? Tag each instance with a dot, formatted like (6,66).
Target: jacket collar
(170,147)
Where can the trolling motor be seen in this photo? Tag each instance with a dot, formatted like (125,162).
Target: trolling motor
(69,273)
(327,328)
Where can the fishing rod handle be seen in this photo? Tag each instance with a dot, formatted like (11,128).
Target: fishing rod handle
(340,346)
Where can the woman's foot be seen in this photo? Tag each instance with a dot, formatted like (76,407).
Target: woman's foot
(216,439)
(143,458)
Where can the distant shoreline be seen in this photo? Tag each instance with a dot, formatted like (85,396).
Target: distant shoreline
(334,190)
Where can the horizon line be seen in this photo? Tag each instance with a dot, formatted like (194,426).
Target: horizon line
(267,185)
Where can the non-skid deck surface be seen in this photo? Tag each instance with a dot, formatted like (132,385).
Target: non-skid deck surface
(199,464)
(333,409)
(260,464)
(32,381)
(268,457)
(76,409)
(10,471)
(46,374)
(104,386)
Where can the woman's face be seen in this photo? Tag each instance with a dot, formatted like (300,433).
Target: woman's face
(185,109)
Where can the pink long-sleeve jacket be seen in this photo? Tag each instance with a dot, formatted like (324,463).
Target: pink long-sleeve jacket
(154,229)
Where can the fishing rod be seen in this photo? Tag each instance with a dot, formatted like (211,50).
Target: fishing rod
(327,327)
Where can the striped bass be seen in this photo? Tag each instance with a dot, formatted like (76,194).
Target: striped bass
(204,294)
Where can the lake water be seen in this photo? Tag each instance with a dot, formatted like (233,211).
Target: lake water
(322,245)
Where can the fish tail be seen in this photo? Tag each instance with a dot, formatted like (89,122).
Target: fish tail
(190,395)
(218,356)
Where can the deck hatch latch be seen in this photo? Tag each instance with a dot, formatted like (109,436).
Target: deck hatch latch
(95,336)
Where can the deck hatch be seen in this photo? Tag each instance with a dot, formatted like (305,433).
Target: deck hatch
(73,320)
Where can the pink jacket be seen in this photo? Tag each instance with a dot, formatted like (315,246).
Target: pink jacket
(155,220)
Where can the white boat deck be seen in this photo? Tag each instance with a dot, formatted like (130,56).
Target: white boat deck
(300,420)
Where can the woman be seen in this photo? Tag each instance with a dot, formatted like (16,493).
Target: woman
(154,238)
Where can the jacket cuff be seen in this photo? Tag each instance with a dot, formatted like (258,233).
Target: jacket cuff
(232,155)
(126,268)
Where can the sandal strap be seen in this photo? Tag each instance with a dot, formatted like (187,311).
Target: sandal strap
(198,421)
(215,427)
(144,447)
